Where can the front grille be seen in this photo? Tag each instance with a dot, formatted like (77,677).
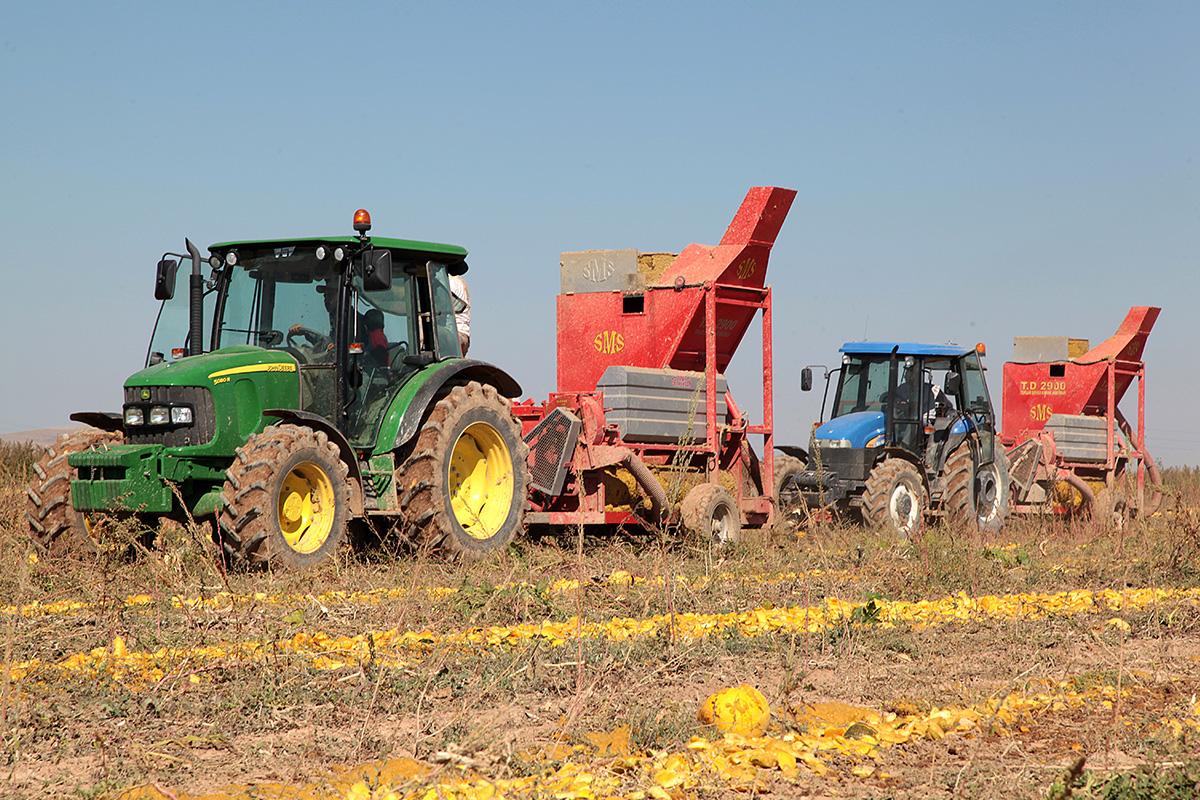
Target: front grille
(846,463)
(204,416)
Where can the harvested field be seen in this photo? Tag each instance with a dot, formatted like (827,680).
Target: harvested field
(945,667)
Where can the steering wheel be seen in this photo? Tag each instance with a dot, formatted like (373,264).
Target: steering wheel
(308,333)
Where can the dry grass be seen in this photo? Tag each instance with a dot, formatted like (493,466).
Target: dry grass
(220,721)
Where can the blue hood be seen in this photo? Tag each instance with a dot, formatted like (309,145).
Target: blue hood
(858,428)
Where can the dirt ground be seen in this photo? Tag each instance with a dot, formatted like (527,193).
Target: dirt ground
(978,668)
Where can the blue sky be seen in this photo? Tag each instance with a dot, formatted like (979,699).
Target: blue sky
(966,171)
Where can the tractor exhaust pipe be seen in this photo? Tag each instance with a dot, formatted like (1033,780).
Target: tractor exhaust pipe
(196,301)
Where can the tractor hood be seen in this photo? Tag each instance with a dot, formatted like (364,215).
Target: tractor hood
(211,401)
(851,430)
(215,368)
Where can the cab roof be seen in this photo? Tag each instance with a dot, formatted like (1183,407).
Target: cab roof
(450,254)
(905,349)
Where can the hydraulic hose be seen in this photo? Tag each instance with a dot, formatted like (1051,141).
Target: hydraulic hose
(645,478)
(1089,498)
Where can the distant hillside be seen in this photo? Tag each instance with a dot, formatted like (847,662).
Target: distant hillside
(41,436)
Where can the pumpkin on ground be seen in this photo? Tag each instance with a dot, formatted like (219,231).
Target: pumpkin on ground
(740,709)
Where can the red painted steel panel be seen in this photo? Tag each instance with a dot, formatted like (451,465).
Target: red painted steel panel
(595,331)
(1092,384)
(1032,393)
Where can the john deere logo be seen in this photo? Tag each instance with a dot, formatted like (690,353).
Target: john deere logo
(145,394)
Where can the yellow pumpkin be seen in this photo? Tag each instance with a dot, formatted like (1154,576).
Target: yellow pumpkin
(740,709)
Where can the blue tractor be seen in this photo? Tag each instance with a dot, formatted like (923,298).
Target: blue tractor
(911,434)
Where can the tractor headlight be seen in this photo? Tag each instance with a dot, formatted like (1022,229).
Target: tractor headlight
(159,415)
(134,416)
(833,442)
(181,415)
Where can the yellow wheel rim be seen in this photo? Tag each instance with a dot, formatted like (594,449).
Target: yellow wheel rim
(306,508)
(91,526)
(480,480)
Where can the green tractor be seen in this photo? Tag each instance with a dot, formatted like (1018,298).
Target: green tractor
(328,387)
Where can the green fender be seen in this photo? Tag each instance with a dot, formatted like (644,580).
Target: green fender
(319,423)
(407,410)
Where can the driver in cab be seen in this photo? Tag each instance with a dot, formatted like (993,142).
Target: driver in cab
(318,342)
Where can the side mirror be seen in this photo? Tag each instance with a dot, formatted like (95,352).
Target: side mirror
(377,270)
(164,279)
(806,379)
(953,383)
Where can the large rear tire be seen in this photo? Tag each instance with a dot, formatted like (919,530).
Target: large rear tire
(979,499)
(710,512)
(286,499)
(55,527)
(894,498)
(464,488)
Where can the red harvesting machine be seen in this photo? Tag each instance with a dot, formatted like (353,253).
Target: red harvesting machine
(1071,447)
(642,430)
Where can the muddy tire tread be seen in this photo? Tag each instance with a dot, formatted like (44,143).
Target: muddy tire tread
(876,499)
(54,527)
(698,506)
(245,517)
(421,480)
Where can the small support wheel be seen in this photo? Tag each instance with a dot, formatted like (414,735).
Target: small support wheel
(711,512)
(895,498)
(1112,508)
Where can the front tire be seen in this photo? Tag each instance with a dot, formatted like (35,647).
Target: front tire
(464,487)
(711,512)
(55,527)
(894,498)
(286,499)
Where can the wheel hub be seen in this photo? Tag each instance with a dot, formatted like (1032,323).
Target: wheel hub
(306,505)
(720,525)
(480,480)
(904,508)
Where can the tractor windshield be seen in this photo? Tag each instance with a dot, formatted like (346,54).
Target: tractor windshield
(863,385)
(283,297)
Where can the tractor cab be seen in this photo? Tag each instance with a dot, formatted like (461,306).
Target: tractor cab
(354,316)
(918,403)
